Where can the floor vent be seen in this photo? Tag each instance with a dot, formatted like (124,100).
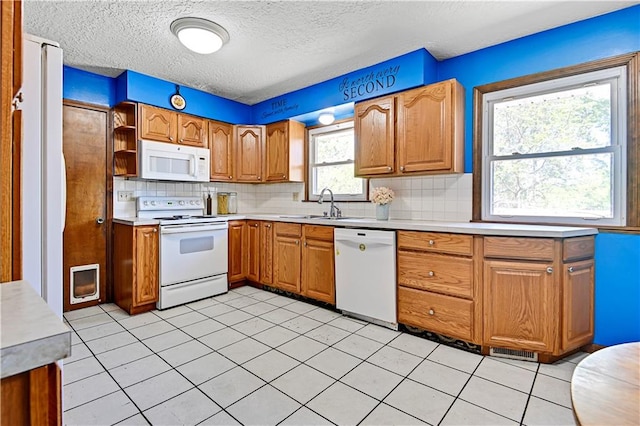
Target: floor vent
(513,354)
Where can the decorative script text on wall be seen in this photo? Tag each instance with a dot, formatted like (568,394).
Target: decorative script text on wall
(368,83)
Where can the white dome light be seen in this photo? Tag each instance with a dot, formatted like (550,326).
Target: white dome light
(199,35)
(326,118)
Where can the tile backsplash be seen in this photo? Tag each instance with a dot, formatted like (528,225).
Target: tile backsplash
(442,198)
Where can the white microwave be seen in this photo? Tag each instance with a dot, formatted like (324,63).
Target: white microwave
(168,161)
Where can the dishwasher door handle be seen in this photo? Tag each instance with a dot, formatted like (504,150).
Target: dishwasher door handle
(368,244)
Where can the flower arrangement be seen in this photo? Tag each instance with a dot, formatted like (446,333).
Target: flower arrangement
(382,195)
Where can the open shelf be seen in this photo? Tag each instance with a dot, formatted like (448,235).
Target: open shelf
(125,139)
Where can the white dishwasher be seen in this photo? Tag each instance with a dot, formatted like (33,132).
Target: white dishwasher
(365,262)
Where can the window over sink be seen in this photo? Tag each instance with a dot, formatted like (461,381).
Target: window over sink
(331,163)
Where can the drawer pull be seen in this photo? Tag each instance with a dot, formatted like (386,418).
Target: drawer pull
(431,273)
(431,312)
(570,268)
(549,270)
(431,242)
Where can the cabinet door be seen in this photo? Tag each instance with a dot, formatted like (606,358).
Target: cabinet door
(157,124)
(277,152)
(146,267)
(253,250)
(221,147)
(192,130)
(318,270)
(425,129)
(237,251)
(266,253)
(286,257)
(374,130)
(577,304)
(519,305)
(249,141)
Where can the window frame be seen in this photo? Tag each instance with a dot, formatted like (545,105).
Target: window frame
(631,155)
(319,130)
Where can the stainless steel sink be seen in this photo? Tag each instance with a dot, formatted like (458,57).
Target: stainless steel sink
(336,218)
(301,216)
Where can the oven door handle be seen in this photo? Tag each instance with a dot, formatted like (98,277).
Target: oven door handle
(181,229)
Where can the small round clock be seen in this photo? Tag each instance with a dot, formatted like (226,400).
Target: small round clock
(177,101)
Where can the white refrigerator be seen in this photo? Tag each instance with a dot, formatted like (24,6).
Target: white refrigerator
(43,173)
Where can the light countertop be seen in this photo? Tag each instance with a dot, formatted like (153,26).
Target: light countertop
(500,229)
(31,335)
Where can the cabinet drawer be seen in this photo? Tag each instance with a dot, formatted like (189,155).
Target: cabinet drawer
(292,229)
(436,242)
(578,248)
(519,248)
(434,312)
(435,272)
(318,232)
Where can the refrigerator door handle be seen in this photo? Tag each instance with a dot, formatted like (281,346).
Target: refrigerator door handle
(64,192)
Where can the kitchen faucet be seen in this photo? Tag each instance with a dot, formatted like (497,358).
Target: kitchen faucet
(334,211)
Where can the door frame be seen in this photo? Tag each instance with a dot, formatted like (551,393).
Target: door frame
(107,287)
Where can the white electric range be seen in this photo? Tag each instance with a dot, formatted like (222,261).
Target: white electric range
(193,249)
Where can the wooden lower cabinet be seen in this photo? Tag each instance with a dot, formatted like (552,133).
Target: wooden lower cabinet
(438,289)
(287,257)
(253,250)
(318,270)
(237,251)
(451,316)
(136,267)
(538,294)
(266,253)
(33,397)
(519,305)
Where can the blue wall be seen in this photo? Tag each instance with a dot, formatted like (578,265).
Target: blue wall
(617,312)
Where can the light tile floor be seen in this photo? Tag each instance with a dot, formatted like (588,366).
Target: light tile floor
(254,357)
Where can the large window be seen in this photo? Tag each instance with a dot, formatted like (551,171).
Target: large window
(555,151)
(331,154)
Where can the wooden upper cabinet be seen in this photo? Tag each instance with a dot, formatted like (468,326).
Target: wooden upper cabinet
(157,124)
(430,130)
(284,152)
(146,287)
(192,131)
(249,141)
(221,148)
(374,130)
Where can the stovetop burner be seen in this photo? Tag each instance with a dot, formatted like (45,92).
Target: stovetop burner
(176,217)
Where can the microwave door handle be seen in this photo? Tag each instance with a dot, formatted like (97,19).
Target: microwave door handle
(194,160)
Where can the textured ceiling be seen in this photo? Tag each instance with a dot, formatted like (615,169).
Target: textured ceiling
(278,47)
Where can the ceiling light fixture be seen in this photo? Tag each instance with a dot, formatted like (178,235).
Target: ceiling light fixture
(200,35)
(326,118)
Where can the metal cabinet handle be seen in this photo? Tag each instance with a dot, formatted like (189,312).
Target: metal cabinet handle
(297,242)
(431,312)
(255,225)
(230,177)
(389,168)
(259,178)
(283,176)
(305,244)
(549,270)
(171,138)
(402,168)
(431,273)
(99,220)
(155,230)
(181,140)
(570,268)
(431,242)
(268,225)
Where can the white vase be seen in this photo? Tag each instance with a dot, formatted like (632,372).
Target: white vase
(382,211)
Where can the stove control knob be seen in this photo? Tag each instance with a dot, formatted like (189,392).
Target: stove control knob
(191,202)
(153,203)
(198,202)
(181,203)
(146,203)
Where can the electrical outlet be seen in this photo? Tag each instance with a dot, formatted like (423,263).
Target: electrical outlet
(125,195)
(296,195)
